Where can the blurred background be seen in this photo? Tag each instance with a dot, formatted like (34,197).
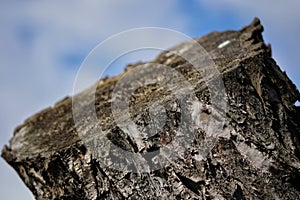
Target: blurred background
(43,43)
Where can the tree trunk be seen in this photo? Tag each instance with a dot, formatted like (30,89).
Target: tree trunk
(188,125)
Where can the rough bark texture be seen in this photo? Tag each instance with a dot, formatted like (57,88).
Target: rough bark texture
(255,156)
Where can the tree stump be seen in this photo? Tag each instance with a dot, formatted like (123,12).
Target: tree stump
(187,125)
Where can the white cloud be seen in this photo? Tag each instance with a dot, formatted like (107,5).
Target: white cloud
(36,70)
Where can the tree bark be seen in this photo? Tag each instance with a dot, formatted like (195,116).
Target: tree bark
(228,131)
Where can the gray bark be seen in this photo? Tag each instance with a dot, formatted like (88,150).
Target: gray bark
(232,135)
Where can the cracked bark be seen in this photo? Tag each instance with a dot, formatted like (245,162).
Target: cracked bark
(255,157)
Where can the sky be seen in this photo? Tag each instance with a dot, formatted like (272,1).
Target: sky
(43,43)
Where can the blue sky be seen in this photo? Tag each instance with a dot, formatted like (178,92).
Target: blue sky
(42,44)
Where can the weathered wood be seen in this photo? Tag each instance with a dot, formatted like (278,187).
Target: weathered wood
(243,144)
